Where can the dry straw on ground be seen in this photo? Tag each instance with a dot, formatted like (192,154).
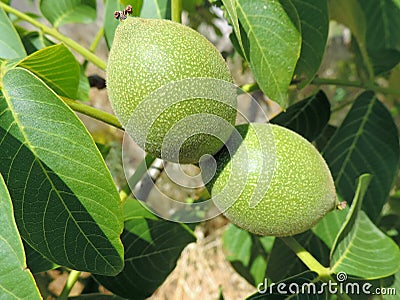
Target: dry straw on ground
(203,270)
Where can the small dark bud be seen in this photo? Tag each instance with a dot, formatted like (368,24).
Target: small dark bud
(97,82)
(342,205)
(117,14)
(129,10)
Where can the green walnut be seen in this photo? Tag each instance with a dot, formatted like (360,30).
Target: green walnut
(273,183)
(164,79)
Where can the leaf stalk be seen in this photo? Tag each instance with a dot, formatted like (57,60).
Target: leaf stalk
(71,280)
(93,112)
(176,10)
(87,54)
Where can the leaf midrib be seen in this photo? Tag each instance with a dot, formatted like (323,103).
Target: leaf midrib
(32,149)
(357,136)
(251,31)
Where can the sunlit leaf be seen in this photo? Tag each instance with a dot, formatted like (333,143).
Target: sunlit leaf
(50,65)
(110,23)
(231,9)
(273,30)
(60,12)
(66,204)
(361,249)
(10,42)
(156,9)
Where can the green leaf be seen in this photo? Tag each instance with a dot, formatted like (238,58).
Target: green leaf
(231,9)
(360,248)
(382,33)
(66,204)
(247,253)
(314,20)
(50,65)
(325,136)
(308,117)
(273,30)
(34,41)
(156,9)
(110,23)
(328,228)
(392,282)
(37,263)
(350,14)
(366,142)
(281,255)
(16,281)
(10,43)
(152,248)
(60,12)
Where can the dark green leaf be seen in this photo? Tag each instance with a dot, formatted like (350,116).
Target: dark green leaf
(360,248)
(66,204)
(314,20)
(110,23)
(37,262)
(384,60)
(366,142)
(247,253)
(10,44)
(104,149)
(325,137)
(328,228)
(273,30)
(221,294)
(34,41)
(156,9)
(307,117)
(16,281)
(284,263)
(60,12)
(382,33)
(152,248)
(50,65)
